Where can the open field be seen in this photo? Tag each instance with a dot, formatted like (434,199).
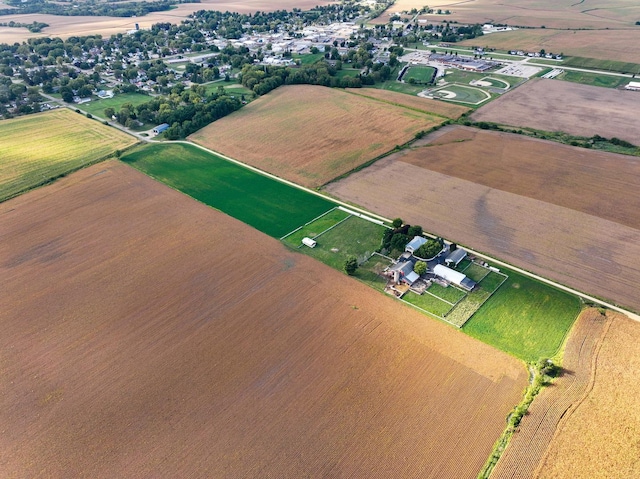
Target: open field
(542,170)
(600,44)
(164,339)
(37,148)
(312,134)
(66,26)
(580,250)
(536,431)
(600,438)
(586,110)
(420,74)
(417,103)
(97,107)
(593,79)
(268,205)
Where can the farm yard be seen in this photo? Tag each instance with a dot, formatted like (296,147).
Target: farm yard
(313,134)
(586,110)
(580,250)
(148,330)
(37,148)
(268,205)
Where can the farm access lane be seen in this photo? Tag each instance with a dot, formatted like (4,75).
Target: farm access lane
(587,297)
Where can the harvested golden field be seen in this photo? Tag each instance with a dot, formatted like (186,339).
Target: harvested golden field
(312,134)
(427,105)
(141,327)
(554,404)
(36,148)
(580,250)
(600,439)
(554,105)
(601,44)
(66,26)
(538,169)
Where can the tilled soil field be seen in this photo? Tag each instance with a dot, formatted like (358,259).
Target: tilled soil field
(148,335)
(312,134)
(601,184)
(600,438)
(583,251)
(555,403)
(555,105)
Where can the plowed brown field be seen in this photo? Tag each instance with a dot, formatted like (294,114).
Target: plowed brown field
(538,169)
(555,403)
(313,134)
(147,335)
(586,252)
(554,105)
(601,438)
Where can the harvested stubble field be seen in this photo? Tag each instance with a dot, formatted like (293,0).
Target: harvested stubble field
(67,26)
(141,328)
(37,148)
(554,105)
(413,102)
(557,402)
(542,170)
(313,134)
(600,438)
(580,250)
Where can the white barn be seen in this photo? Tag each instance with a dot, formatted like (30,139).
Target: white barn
(454,277)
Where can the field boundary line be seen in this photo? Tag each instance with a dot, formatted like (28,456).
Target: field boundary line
(277,178)
(428,313)
(441,299)
(308,222)
(389,102)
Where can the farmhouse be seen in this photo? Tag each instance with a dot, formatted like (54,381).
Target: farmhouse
(415,243)
(160,128)
(454,277)
(633,85)
(403,271)
(455,257)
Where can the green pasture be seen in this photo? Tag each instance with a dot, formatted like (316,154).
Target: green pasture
(268,205)
(308,58)
(427,302)
(419,74)
(352,236)
(97,107)
(476,272)
(525,317)
(606,81)
(450,293)
(369,272)
(606,65)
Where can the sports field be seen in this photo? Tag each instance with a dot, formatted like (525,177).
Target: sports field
(312,134)
(419,74)
(162,338)
(268,205)
(461,94)
(37,148)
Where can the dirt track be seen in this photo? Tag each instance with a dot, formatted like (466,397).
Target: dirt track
(146,335)
(555,105)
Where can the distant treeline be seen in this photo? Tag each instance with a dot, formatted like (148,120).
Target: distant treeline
(90,8)
(34,27)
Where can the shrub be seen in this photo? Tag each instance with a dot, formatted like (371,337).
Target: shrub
(420,267)
(351,265)
(397,222)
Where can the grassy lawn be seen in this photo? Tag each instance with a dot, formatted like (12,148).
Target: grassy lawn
(97,107)
(451,294)
(476,272)
(419,74)
(308,58)
(428,303)
(497,83)
(315,227)
(348,72)
(65,142)
(352,237)
(268,205)
(525,318)
(607,81)
(368,272)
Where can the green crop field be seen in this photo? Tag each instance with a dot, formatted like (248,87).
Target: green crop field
(97,107)
(37,148)
(419,74)
(607,65)
(268,205)
(525,318)
(352,236)
(607,81)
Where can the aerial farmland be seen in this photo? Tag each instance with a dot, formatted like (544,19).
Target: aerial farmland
(137,335)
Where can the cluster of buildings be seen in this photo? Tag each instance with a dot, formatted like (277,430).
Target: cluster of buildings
(462,62)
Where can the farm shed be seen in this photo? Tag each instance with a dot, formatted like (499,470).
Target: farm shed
(415,243)
(633,85)
(309,242)
(403,271)
(454,277)
(160,128)
(455,257)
